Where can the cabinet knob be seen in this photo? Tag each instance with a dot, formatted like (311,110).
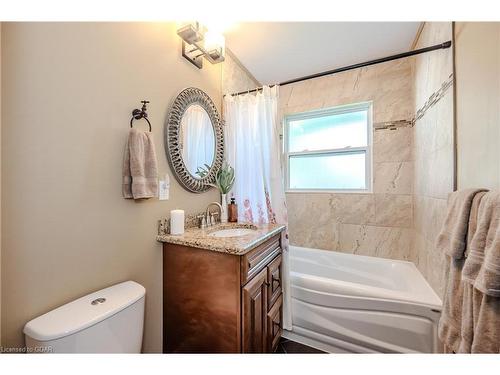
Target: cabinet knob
(277,279)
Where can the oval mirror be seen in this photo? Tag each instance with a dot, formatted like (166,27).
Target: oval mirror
(198,140)
(194,141)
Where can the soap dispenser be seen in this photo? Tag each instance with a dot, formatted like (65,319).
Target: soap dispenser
(232,209)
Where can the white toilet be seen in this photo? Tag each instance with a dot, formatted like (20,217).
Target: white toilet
(110,320)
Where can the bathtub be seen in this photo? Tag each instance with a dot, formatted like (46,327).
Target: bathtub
(343,303)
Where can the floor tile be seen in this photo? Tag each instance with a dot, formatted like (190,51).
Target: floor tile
(291,347)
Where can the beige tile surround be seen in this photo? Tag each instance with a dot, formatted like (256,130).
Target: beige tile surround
(412,166)
(433,153)
(377,223)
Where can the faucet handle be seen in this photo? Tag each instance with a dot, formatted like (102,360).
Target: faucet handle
(215,216)
(202,223)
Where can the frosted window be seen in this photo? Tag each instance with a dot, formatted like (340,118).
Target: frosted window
(328,132)
(329,149)
(334,171)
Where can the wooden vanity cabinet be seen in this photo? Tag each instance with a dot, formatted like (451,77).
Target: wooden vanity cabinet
(254,314)
(216,302)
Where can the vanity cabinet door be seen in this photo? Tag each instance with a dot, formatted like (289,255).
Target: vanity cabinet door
(254,319)
(274,324)
(273,281)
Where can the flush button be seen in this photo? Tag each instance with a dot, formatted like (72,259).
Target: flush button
(98,301)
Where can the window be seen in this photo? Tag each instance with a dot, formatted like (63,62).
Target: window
(329,149)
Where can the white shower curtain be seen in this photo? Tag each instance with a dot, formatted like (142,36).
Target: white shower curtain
(254,150)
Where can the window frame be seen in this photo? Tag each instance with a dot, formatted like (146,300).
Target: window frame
(368,149)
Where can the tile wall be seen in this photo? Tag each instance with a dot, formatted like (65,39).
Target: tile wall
(378,223)
(432,151)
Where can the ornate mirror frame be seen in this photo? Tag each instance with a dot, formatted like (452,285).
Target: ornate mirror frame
(186,98)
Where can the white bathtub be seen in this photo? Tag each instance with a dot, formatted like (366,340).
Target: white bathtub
(343,303)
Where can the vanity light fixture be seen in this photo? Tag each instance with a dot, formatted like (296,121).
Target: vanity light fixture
(198,42)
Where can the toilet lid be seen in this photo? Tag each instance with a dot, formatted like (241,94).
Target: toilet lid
(84,312)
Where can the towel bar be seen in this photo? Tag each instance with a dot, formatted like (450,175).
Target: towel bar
(138,114)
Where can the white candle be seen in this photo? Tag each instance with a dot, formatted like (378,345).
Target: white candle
(177,222)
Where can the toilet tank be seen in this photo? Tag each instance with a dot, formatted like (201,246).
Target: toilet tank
(110,320)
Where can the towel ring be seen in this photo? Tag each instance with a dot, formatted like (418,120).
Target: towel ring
(138,114)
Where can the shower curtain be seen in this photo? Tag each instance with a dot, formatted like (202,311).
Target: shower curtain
(253,148)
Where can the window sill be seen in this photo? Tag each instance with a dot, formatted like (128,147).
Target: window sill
(326,191)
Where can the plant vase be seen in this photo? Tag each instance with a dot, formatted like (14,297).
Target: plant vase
(223,214)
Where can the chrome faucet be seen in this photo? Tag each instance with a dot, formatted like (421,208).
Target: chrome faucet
(209,219)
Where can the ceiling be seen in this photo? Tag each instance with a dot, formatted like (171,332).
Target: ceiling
(278,51)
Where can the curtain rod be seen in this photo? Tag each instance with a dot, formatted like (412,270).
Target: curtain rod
(356,66)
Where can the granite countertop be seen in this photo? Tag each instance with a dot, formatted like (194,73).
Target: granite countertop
(199,238)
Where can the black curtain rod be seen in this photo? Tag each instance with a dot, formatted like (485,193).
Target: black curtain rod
(356,66)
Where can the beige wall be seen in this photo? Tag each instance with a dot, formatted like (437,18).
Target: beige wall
(433,152)
(378,223)
(68,91)
(478,104)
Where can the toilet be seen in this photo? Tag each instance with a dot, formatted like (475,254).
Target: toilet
(110,320)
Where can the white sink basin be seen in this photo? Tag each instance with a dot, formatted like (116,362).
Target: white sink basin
(233,232)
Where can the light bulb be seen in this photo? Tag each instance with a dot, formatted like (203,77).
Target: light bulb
(214,41)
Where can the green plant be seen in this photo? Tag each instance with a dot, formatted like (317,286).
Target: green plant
(224,178)
(203,171)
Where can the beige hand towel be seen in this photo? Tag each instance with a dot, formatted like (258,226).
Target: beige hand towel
(452,239)
(482,268)
(140,171)
(480,322)
(480,331)
(451,322)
